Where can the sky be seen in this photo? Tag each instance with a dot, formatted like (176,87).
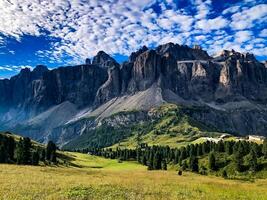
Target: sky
(66,32)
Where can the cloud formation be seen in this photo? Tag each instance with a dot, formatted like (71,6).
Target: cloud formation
(83,27)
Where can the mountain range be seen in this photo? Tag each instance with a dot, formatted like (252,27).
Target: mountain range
(224,93)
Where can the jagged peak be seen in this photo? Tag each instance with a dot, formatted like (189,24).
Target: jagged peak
(182,52)
(134,55)
(88,61)
(232,54)
(25,70)
(102,58)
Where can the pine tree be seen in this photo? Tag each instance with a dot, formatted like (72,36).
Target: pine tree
(3,154)
(139,155)
(184,165)
(20,152)
(193,163)
(212,161)
(144,162)
(229,147)
(11,148)
(50,149)
(199,150)
(264,148)
(150,161)
(182,155)
(224,174)
(238,160)
(164,164)
(157,161)
(54,157)
(35,158)
(42,158)
(27,150)
(253,165)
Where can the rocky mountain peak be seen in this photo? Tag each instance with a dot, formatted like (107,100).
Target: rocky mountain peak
(234,55)
(182,52)
(25,70)
(134,55)
(88,61)
(39,70)
(103,59)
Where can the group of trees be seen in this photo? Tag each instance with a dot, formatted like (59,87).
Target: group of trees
(24,152)
(157,157)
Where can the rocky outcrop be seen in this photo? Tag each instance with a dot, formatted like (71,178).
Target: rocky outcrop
(111,88)
(146,70)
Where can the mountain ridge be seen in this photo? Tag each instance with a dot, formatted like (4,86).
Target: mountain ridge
(232,86)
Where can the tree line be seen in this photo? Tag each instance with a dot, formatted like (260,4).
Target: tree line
(24,152)
(157,157)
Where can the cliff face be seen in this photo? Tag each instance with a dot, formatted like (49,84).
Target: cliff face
(169,73)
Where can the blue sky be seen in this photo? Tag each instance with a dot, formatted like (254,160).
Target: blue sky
(65,32)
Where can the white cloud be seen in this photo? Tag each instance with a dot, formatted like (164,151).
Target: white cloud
(263,33)
(203,8)
(232,9)
(249,17)
(122,26)
(14,68)
(243,36)
(211,24)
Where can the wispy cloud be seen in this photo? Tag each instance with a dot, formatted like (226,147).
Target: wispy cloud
(14,68)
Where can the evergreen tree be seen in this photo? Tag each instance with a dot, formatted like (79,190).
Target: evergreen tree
(42,158)
(164,164)
(229,147)
(212,161)
(184,165)
(3,154)
(27,150)
(264,148)
(253,165)
(199,150)
(35,158)
(150,161)
(193,163)
(20,152)
(220,146)
(224,174)
(144,162)
(54,157)
(238,160)
(50,149)
(157,161)
(182,155)
(176,156)
(10,148)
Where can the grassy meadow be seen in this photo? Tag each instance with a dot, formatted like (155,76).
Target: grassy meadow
(90,177)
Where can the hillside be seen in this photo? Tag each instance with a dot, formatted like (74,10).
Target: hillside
(167,124)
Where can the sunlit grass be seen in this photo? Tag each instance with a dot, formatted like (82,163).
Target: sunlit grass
(99,178)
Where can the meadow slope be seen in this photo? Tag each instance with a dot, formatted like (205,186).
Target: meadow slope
(90,177)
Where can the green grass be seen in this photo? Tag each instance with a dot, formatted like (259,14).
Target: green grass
(99,178)
(95,162)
